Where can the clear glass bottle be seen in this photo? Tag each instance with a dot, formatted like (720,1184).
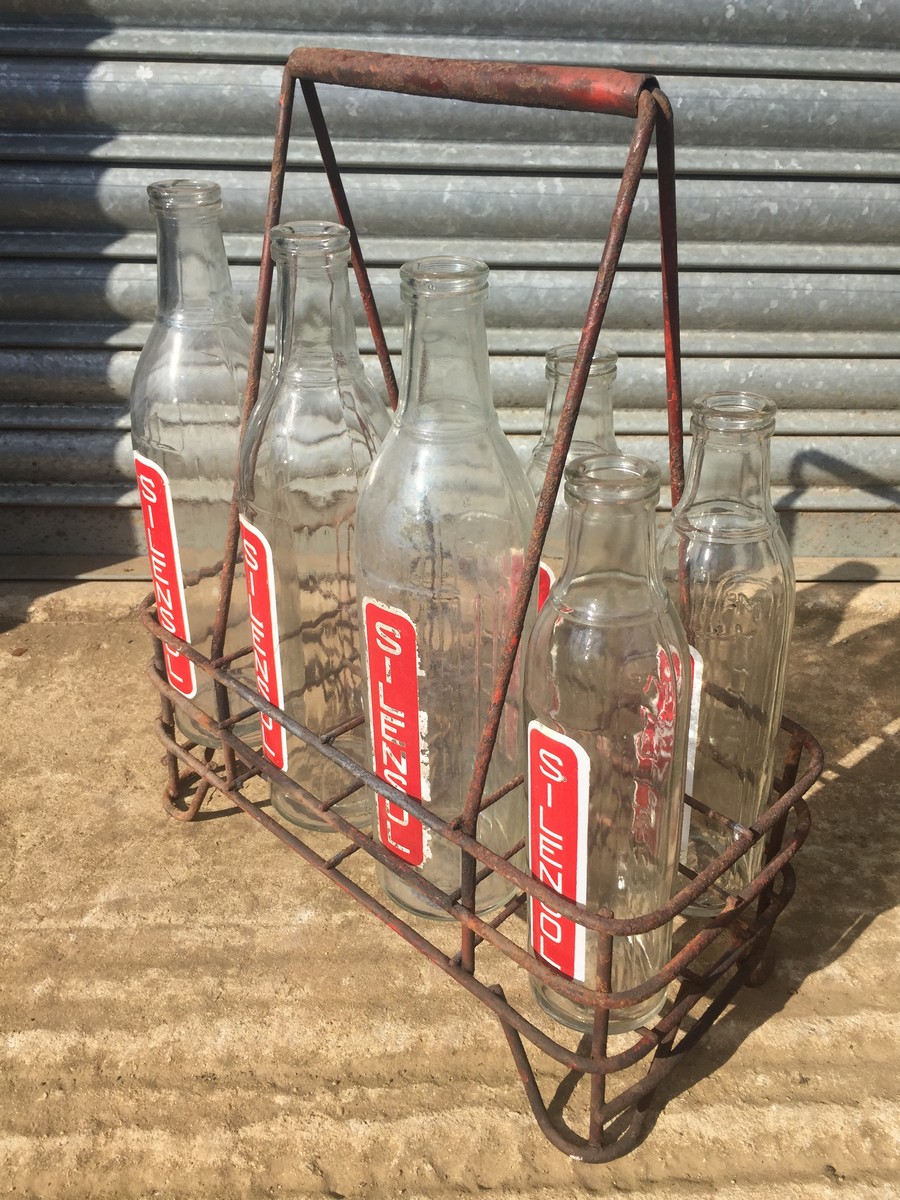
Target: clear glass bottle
(606,700)
(593,434)
(442,525)
(186,400)
(307,448)
(728,569)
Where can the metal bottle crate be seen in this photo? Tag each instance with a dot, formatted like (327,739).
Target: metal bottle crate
(725,952)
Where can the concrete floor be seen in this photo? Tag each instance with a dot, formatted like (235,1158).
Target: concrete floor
(184,1013)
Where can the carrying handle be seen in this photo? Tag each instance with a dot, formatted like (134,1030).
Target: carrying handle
(531,85)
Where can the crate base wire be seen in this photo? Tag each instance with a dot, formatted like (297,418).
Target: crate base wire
(732,945)
(716,957)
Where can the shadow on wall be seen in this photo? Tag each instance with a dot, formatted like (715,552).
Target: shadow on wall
(64,378)
(841,474)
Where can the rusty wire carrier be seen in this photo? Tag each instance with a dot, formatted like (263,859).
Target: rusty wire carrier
(731,944)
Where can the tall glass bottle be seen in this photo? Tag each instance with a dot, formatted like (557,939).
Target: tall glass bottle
(442,524)
(606,701)
(728,568)
(307,448)
(593,434)
(186,399)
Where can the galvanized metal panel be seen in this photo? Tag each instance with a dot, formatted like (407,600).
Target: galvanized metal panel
(775,22)
(818,392)
(77,388)
(103,456)
(88,522)
(789,232)
(632,54)
(756,256)
(563,218)
(521,413)
(90,197)
(172,151)
(499,252)
(717,304)
(240,99)
(522,340)
(70,522)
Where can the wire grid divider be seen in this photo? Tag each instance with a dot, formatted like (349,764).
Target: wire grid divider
(727,951)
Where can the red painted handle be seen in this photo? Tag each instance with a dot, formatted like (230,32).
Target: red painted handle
(532,85)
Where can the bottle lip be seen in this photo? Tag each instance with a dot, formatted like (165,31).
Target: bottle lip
(560,360)
(612,479)
(444,275)
(734,412)
(184,194)
(309,237)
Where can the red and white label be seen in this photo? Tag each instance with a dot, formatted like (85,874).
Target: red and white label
(546,580)
(398,726)
(165,568)
(558,795)
(693,731)
(260,576)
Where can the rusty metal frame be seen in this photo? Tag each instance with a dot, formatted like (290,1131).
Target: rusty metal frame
(742,929)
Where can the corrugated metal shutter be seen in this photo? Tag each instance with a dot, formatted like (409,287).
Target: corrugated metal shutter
(788,150)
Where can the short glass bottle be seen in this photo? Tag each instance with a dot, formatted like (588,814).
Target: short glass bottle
(308,445)
(442,525)
(728,568)
(593,434)
(606,699)
(186,400)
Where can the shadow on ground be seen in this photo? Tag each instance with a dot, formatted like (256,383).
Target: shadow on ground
(848,872)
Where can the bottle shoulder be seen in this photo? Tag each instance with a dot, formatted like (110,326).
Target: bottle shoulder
(303,470)
(202,367)
(723,521)
(760,559)
(317,407)
(412,460)
(575,666)
(610,600)
(200,325)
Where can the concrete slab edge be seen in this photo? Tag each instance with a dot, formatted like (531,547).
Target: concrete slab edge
(98,601)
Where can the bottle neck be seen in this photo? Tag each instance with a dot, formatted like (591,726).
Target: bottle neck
(618,538)
(594,427)
(194,282)
(446,370)
(610,564)
(314,328)
(728,478)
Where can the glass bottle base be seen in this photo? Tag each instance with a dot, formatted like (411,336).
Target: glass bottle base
(702,912)
(701,852)
(581,1019)
(247,730)
(357,809)
(489,895)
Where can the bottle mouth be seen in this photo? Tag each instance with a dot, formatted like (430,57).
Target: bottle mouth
(444,275)
(560,360)
(734,412)
(612,479)
(309,237)
(168,194)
